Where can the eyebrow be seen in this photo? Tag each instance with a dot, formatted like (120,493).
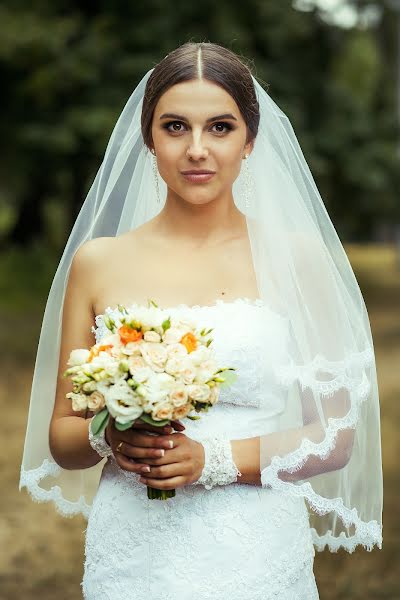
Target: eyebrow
(181,118)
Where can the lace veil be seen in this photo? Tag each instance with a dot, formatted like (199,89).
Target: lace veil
(326,444)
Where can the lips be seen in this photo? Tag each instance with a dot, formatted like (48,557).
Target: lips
(198,175)
(197,172)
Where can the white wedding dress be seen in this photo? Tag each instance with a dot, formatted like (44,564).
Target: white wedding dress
(239,541)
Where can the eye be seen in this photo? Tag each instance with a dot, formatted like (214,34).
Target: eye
(177,127)
(223,124)
(174,123)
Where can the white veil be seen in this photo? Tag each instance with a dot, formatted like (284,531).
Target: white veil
(326,446)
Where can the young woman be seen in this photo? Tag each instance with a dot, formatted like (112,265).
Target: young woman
(288,460)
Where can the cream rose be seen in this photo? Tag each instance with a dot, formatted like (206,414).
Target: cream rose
(96,401)
(182,411)
(139,369)
(155,356)
(175,365)
(79,401)
(176,350)
(132,348)
(78,357)
(198,392)
(178,396)
(151,336)
(162,411)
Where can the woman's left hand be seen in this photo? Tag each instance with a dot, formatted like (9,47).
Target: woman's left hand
(180,465)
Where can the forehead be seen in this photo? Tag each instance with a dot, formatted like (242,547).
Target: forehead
(197,99)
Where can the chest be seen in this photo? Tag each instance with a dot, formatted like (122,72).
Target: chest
(174,275)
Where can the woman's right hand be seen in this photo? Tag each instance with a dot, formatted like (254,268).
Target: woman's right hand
(114,437)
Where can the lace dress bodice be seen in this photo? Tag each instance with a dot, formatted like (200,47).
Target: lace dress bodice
(237,541)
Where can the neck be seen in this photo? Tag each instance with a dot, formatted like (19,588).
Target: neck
(202,223)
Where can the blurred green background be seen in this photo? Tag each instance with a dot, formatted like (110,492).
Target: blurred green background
(67,69)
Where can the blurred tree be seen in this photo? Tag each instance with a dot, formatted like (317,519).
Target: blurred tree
(68,68)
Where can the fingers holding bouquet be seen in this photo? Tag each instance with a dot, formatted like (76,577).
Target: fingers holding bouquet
(136,447)
(150,371)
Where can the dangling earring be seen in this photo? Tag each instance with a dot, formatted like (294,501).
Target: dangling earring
(155,171)
(248,183)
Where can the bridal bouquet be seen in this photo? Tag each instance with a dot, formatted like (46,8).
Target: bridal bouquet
(150,366)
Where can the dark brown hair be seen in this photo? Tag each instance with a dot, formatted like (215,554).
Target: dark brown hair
(212,62)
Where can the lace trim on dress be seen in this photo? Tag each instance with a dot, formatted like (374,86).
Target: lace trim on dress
(31,479)
(307,374)
(100,329)
(366,534)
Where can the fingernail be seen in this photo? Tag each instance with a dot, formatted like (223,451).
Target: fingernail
(146,469)
(171,444)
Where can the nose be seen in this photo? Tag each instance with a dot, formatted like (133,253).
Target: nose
(196,149)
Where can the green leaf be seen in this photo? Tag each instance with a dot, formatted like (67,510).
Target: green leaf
(193,417)
(146,418)
(166,324)
(124,426)
(229,378)
(100,421)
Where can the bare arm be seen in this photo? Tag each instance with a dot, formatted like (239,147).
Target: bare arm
(246,453)
(68,432)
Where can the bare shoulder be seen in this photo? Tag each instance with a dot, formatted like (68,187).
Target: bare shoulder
(92,252)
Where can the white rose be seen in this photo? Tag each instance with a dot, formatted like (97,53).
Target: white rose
(187,374)
(151,336)
(178,395)
(79,401)
(132,348)
(201,354)
(78,357)
(122,402)
(176,350)
(173,335)
(96,401)
(155,389)
(198,392)
(163,410)
(182,369)
(139,369)
(176,365)
(206,371)
(155,355)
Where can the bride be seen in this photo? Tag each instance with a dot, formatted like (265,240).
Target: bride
(204,203)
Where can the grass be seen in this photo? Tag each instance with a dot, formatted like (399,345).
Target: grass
(42,553)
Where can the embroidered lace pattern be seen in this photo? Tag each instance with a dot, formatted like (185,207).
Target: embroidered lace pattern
(99,443)
(233,541)
(219,467)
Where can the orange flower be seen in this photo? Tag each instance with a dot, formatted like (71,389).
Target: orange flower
(127,334)
(189,341)
(95,350)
